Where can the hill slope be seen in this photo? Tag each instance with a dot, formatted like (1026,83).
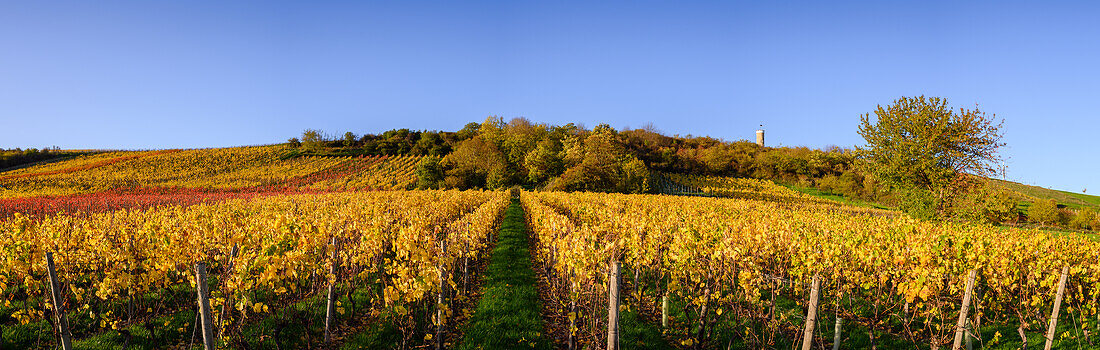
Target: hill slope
(115,180)
(1031,193)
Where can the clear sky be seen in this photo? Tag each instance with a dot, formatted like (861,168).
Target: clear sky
(166,74)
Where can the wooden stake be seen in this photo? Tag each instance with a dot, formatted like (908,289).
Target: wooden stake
(664,310)
(1023,335)
(969,337)
(811,315)
(571,339)
(837,328)
(58,310)
(700,338)
(441,306)
(960,327)
(613,306)
(225,305)
(330,310)
(978,306)
(637,288)
(1057,306)
(204,306)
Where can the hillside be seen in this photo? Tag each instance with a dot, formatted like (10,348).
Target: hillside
(1028,193)
(126,179)
(143,219)
(490,155)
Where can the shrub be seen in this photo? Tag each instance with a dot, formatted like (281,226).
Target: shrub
(312,139)
(349,139)
(635,176)
(1044,212)
(429,173)
(918,203)
(1085,219)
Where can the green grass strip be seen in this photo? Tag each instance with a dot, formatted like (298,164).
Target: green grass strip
(636,333)
(507,316)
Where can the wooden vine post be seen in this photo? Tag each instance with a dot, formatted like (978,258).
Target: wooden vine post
(837,328)
(969,337)
(976,321)
(960,327)
(441,302)
(1057,306)
(701,336)
(225,305)
(664,310)
(330,309)
(204,306)
(811,314)
(58,304)
(613,306)
(636,288)
(465,267)
(571,337)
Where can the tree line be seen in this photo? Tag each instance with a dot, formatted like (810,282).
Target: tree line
(921,156)
(18,157)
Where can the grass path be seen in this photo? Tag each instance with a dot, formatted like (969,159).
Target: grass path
(507,317)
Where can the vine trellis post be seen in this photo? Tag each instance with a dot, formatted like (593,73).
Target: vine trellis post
(811,314)
(58,304)
(613,305)
(960,327)
(203,291)
(1057,306)
(330,309)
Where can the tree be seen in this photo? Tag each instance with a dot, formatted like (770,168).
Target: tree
(717,159)
(1044,211)
(429,173)
(634,177)
(986,203)
(475,163)
(492,129)
(312,139)
(600,163)
(544,162)
(430,143)
(520,137)
(349,139)
(922,150)
(467,132)
(1084,219)
(293,142)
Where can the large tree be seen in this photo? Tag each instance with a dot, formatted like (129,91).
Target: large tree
(313,139)
(922,150)
(475,163)
(598,161)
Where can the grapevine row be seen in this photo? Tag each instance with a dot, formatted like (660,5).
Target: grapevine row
(729,259)
(261,253)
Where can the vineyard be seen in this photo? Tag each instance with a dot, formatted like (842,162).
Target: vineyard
(241,248)
(740,272)
(137,180)
(732,187)
(135,271)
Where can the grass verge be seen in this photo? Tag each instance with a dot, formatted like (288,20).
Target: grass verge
(816,192)
(507,316)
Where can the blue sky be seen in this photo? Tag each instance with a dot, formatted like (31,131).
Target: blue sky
(157,74)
